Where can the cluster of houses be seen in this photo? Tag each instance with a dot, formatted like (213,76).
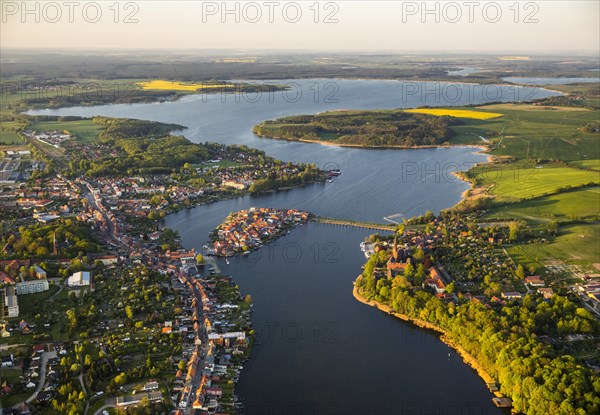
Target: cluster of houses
(215,343)
(248,229)
(32,371)
(591,292)
(46,201)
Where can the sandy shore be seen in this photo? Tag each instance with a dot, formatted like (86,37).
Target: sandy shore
(445,337)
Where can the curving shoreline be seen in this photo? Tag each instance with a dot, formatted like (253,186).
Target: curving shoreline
(445,336)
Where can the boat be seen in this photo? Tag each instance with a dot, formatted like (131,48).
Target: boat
(334,172)
(367,249)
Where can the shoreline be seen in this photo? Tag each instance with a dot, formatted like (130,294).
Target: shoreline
(444,336)
(482,147)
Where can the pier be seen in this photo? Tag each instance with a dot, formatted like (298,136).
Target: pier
(355,223)
(211,260)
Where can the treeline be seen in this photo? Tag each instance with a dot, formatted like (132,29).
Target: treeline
(505,343)
(365,128)
(116,128)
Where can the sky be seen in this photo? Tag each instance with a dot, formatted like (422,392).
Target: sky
(395,26)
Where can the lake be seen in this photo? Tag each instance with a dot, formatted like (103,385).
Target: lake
(318,350)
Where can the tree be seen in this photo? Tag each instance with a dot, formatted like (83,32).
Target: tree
(520,272)
(200,259)
(120,379)
(513,231)
(409,270)
(129,312)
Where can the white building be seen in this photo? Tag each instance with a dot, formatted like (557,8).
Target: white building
(80,279)
(31,287)
(10,302)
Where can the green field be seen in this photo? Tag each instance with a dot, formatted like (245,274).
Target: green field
(586,164)
(517,181)
(537,132)
(578,204)
(8,134)
(576,245)
(10,138)
(85,131)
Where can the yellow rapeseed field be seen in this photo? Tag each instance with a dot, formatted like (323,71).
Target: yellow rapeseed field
(179,86)
(477,115)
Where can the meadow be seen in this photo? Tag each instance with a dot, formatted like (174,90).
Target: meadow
(574,205)
(517,181)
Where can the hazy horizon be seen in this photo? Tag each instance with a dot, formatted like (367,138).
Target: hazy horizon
(543,27)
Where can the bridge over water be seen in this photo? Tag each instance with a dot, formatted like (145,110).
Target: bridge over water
(355,223)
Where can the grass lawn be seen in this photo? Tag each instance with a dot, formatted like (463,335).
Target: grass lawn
(575,244)
(11,375)
(578,204)
(85,131)
(516,181)
(29,304)
(13,399)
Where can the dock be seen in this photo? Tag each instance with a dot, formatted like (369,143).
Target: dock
(502,402)
(209,259)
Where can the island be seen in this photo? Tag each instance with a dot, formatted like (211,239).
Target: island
(247,230)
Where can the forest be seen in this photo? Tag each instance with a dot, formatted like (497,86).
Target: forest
(362,128)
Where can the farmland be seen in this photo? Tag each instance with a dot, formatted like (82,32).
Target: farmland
(574,205)
(162,85)
(535,132)
(517,181)
(458,113)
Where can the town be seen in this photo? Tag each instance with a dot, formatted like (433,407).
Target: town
(80,243)
(249,229)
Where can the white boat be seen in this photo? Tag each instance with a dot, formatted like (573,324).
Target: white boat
(367,249)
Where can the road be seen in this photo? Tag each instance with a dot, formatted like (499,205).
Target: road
(110,228)
(203,337)
(108,403)
(45,357)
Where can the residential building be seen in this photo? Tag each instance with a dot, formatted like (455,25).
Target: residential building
(80,279)
(32,287)
(11,303)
